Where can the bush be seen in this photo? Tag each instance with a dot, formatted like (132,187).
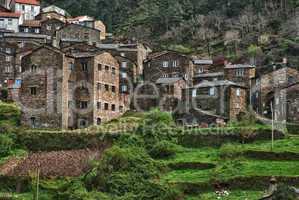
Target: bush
(163,149)
(284,192)
(3,94)
(230,151)
(6,144)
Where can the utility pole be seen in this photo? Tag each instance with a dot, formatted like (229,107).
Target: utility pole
(37,184)
(272,140)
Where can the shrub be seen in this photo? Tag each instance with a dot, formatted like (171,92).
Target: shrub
(230,151)
(6,144)
(163,149)
(3,94)
(284,192)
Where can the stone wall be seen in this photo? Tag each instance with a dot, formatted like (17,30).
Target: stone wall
(237,104)
(50,26)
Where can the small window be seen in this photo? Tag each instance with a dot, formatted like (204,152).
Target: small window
(124,64)
(240,72)
(165,64)
(200,70)
(26,30)
(113,70)
(99,67)
(8,58)
(121,108)
(99,105)
(106,87)
(212,91)
(33,91)
(83,104)
(99,121)
(124,88)
(84,67)
(113,89)
(124,75)
(49,27)
(36,30)
(33,122)
(175,63)
(113,107)
(8,50)
(238,92)
(71,66)
(106,106)
(107,68)
(33,68)
(99,86)
(8,69)
(194,93)
(10,22)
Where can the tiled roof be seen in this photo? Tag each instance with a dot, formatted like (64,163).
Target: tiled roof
(31,23)
(31,2)
(10,14)
(168,80)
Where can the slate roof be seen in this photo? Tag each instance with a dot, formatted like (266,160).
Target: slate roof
(205,84)
(238,66)
(205,75)
(167,80)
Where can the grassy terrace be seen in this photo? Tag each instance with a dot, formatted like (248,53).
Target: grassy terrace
(232,163)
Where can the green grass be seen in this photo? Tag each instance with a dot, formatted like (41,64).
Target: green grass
(233,195)
(188,176)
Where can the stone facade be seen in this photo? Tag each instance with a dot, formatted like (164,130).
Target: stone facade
(7,70)
(240,74)
(265,85)
(73,33)
(168,65)
(50,26)
(217,98)
(69,90)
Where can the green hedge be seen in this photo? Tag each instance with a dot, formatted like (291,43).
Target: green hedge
(60,140)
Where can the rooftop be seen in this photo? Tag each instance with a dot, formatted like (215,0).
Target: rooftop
(31,23)
(238,66)
(26,35)
(205,84)
(204,75)
(10,14)
(167,80)
(31,2)
(56,9)
(202,62)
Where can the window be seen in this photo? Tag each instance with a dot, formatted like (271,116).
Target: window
(99,105)
(10,22)
(165,75)
(113,89)
(23,7)
(106,106)
(99,86)
(36,30)
(113,107)
(99,67)
(121,108)
(124,64)
(165,64)
(194,93)
(124,88)
(33,90)
(86,36)
(240,72)
(212,91)
(8,50)
(33,122)
(26,30)
(32,9)
(99,121)
(70,104)
(49,27)
(83,104)
(84,67)
(21,44)
(122,54)
(33,68)
(124,75)
(107,68)
(71,66)
(7,58)
(200,70)
(238,92)
(7,69)
(113,70)
(106,87)
(175,63)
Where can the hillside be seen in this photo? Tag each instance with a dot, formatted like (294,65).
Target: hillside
(265,29)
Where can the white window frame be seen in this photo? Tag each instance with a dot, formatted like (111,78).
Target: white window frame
(124,64)
(240,72)
(194,92)
(238,92)
(212,91)
(165,64)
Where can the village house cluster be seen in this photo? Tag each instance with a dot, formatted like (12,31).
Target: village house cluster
(67,72)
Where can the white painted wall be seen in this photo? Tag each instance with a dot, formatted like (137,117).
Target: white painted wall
(11,24)
(28,11)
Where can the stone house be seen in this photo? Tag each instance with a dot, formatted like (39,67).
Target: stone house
(202,66)
(50,26)
(31,26)
(240,73)
(52,12)
(74,33)
(198,78)
(7,70)
(168,64)
(269,88)
(69,90)
(28,8)
(10,21)
(223,98)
